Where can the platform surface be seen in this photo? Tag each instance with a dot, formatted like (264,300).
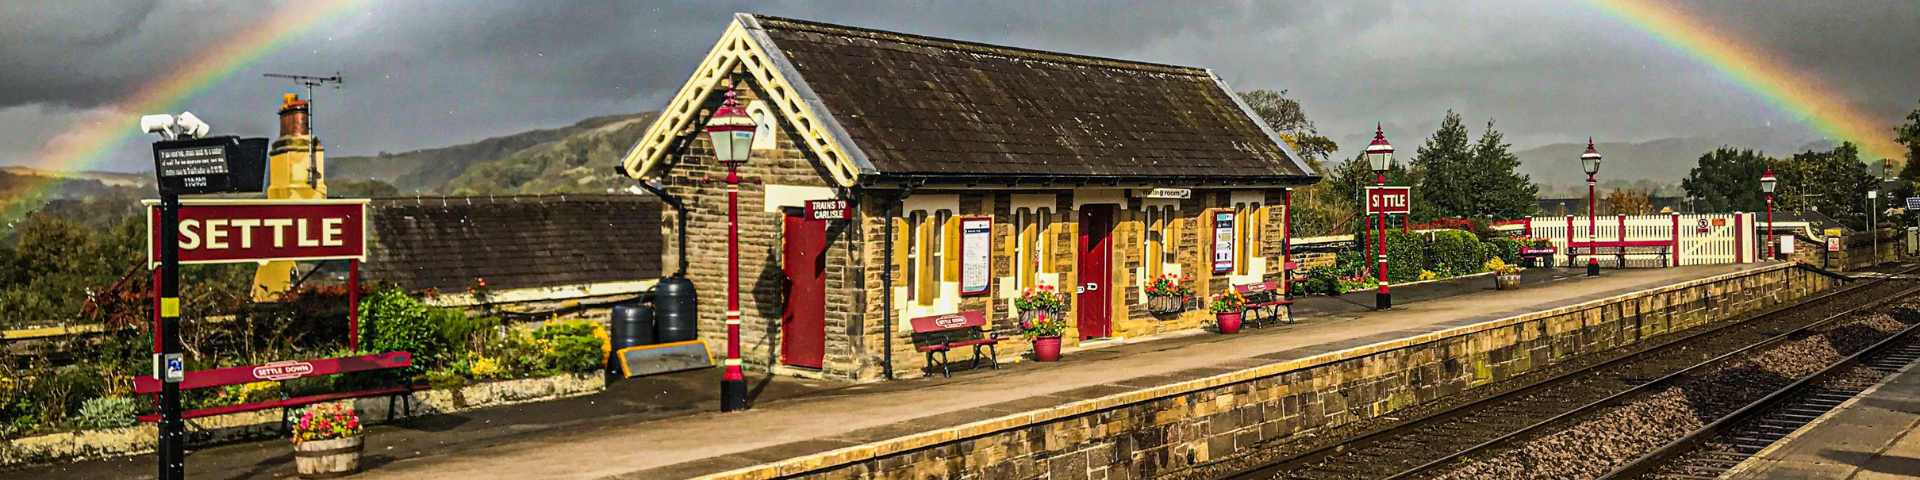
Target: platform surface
(1876,435)
(602,436)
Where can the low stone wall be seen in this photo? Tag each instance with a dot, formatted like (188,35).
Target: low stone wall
(1155,432)
(140,439)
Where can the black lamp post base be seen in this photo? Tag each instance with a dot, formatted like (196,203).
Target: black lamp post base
(1383,301)
(733,395)
(1593,269)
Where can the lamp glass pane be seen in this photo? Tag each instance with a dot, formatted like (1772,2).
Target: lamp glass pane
(1379,161)
(722,149)
(742,144)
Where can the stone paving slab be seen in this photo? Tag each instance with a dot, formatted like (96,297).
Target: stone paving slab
(839,422)
(1875,435)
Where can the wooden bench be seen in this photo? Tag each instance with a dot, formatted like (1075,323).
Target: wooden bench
(289,370)
(939,333)
(1535,255)
(1293,276)
(1264,299)
(1620,249)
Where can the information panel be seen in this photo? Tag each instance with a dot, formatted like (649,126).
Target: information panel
(976,255)
(1223,241)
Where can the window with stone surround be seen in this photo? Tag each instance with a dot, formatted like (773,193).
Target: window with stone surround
(1030,249)
(1250,223)
(931,258)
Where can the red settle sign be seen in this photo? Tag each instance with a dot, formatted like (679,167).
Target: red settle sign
(1389,200)
(231,231)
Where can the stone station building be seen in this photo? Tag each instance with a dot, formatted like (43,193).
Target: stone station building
(997,168)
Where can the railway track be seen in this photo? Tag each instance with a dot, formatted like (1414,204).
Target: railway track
(1423,444)
(1712,450)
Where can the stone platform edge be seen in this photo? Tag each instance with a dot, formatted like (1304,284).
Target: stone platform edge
(858,453)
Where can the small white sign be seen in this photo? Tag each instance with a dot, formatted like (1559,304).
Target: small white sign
(173,368)
(1179,193)
(1786,245)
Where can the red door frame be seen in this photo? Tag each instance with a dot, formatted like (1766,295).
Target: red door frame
(803,325)
(1095,273)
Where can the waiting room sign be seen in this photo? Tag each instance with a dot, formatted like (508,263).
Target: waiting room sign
(233,231)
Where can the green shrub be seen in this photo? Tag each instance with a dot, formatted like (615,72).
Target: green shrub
(1507,249)
(106,412)
(1406,256)
(1324,279)
(576,346)
(1455,252)
(392,321)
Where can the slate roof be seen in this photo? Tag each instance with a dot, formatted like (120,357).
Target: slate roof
(515,241)
(927,106)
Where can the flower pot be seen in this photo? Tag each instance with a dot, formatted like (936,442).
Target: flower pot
(1165,305)
(328,458)
(1506,282)
(1229,322)
(1046,349)
(1030,315)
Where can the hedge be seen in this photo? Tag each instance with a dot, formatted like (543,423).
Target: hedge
(1455,252)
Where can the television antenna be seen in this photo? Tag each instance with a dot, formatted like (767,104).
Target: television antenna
(313,159)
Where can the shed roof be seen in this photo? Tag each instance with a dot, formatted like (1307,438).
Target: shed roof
(906,105)
(518,241)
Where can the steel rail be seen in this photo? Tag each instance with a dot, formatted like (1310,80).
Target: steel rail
(1386,433)
(1660,456)
(1642,388)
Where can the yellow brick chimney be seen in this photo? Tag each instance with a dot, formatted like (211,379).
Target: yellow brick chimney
(297,169)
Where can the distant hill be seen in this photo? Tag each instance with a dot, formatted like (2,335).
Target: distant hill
(582,162)
(1662,160)
(113,179)
(427,170)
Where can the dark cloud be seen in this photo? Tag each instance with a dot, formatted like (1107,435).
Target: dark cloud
(438,72)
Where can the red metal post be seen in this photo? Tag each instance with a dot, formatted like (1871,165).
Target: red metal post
(1622,234)
(353,305)
(733,384)
(1385,298)
(1771,252)
(1739,239)
(1286,241)
(1571,257)
(1593,208)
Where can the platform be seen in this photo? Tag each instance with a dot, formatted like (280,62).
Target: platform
(1876,435)
(589,437)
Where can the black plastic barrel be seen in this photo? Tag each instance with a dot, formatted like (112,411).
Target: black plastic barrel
(632,325)
(673,309)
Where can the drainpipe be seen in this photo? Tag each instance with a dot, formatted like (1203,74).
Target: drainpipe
(678,206)
(886,291)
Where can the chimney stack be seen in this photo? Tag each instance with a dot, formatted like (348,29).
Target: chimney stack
(293,115)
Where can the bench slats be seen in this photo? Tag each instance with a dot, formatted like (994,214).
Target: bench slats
(291,402)
(287,370)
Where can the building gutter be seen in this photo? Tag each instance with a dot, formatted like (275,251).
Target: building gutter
(900,180)
(886,288)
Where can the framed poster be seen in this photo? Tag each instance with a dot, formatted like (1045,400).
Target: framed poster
(976,255)
(1223,241)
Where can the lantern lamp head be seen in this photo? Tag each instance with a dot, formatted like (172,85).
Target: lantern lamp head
(731,130)
(1767,182)
(1590,161)
(1379,153)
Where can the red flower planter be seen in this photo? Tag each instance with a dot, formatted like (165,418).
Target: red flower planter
(1229,322)
(1046,349)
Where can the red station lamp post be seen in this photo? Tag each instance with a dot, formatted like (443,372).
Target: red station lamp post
(1590,161)
(1767,182)
(1380,158)
(731,130)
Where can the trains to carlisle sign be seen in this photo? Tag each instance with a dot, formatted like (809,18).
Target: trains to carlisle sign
(232,231)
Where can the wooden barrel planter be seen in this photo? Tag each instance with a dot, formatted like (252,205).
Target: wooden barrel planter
(1165,305)
(329,458)
(1506,282)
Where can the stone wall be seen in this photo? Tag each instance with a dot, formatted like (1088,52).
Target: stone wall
(1155,432)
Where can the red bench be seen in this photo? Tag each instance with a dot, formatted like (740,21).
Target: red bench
(1294,276)
(1264,299)
(939,333)
(283,371)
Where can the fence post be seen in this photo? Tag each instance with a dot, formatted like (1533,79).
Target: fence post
(1571,258)
(1739,239)
(1676,238)
(1622,233)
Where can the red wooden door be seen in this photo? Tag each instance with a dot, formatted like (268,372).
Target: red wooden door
(803,327)
(1096,248)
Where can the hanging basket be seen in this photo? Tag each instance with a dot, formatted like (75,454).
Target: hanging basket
(1165,305)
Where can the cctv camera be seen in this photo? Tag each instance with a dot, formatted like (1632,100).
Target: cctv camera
(192,127)
(161,124)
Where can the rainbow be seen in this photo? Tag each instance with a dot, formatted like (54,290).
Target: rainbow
(89,140)
(1796,93)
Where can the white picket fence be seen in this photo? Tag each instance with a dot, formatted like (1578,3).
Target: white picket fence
(1704,239)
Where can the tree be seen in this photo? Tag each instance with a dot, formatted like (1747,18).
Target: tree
(1495,186)
(1908,134)
(1728,180)
(1630,202)
(1834,182)
(1285,117)
(1444,167)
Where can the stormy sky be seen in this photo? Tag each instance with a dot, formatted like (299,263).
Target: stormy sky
(433,73)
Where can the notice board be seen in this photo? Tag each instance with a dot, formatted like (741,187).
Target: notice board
(976,255)
(1223,241)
